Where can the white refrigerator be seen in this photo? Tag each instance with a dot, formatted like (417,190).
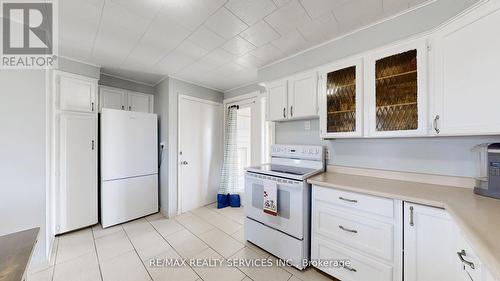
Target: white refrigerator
(128,165)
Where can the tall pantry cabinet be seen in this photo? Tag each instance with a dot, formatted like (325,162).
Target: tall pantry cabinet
(75,135)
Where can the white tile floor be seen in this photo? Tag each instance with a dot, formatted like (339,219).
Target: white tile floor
(123,252)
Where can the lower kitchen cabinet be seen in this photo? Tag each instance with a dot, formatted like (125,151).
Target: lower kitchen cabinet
(429,244)
(388,240)
(362,229)
(435,249)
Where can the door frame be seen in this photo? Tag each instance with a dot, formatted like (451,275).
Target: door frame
(171,170)
(252,96)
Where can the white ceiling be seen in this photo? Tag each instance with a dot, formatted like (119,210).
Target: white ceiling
(217,43)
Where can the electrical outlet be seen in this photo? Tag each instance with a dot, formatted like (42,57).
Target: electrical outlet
(327,154)
(307,125)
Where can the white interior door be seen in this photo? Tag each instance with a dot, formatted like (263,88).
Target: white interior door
(200,152)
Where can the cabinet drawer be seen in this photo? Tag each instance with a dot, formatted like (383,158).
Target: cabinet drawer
(356,201)
(361,268)
(364,234)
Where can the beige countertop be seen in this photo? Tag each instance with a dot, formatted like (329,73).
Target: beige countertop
(478,217)
(15,254)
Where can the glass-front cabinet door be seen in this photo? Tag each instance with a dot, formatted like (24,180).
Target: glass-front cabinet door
(341,99)
(396,83)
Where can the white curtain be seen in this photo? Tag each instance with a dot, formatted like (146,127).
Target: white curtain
(228,189)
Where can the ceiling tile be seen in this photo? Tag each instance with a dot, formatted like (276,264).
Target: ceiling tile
(224,23)
(357,13)
(218,57)
(280,3)
(190,13)
(182,56)
(260,34)
(316,8)
(288,17)
(206,38)
(113,44)
(117,16)
(162,37)
(418,2)
(80,25)
(267,53)
(146,9)
(251,11)
(394,6)
(238,46)
(320,29)
(290,43)
(249,61)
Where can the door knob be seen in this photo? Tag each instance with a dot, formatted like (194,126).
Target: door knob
(184,163)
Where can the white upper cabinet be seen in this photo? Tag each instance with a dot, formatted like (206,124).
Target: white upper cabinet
(116,98)
(76,93)
(396,91)
(277,97)
(302,97)
(467,88)
(340,91)
(293,98)
(112,98)
(140,102)
(429,244)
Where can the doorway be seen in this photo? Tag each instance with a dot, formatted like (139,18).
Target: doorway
(254,134)
(200,152)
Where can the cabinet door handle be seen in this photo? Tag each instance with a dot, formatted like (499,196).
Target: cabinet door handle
(411,216)
(92,106)
(284,112)
(348,200)
(350,269)
(347,229)
(461,256)
(93,144)
(291,111)
(436,119)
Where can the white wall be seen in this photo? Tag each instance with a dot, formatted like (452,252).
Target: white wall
(69,65)
(244,90)
(434,155)
(167,92)
(116,82)
(22,154)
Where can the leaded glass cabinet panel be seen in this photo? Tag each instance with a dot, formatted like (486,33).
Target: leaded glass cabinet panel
(341,90)
(397,87)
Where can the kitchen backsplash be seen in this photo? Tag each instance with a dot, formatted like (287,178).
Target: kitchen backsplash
(450,156)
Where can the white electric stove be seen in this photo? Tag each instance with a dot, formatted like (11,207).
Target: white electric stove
(287,234)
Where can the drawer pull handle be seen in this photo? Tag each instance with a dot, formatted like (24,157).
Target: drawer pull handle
(461,256)
(350,269)
(347,229)
(348,200)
